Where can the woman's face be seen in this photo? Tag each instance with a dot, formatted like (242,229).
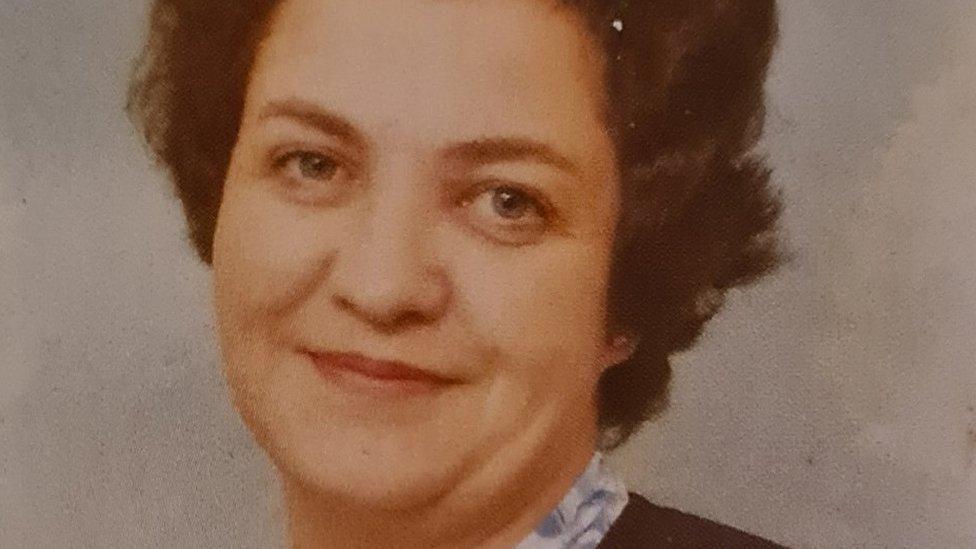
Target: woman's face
(413,248)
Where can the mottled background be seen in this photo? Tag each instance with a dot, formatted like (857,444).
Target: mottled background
(829,406)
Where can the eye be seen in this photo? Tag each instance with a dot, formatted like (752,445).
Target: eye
(311,177)
(508,213)
(508,205)
(308,165)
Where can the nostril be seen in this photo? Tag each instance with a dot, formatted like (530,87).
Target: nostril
(342,303)
(389,284)
(385,318)
(412,318)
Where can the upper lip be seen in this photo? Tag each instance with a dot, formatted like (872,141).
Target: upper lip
(382,369)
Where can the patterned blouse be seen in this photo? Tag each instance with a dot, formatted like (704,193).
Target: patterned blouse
(584,516)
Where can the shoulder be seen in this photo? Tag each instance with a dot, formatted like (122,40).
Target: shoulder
(645,525)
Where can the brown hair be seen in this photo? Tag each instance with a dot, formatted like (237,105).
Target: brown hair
(684,82)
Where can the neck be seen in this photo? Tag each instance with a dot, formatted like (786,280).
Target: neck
(460,518)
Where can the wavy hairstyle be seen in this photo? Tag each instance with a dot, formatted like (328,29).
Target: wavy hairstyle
(684,104)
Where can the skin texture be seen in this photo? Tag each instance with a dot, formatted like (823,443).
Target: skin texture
(428,182)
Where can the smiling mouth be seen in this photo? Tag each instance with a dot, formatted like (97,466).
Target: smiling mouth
(383,377)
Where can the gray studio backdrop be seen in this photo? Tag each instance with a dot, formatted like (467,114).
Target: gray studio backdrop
(831,406)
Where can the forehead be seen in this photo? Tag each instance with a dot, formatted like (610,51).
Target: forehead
(437,68)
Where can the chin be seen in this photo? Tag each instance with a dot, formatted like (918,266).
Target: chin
(370,452)
(377,470)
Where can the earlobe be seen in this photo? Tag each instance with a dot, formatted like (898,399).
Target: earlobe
(619,349)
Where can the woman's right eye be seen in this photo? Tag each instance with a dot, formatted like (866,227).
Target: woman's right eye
(302,165)
(312,176)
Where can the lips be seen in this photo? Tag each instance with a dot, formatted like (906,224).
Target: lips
(378,374)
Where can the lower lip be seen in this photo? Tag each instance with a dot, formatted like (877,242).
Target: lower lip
(374,378)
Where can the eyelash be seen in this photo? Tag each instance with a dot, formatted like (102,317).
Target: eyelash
(285,166)
(518,233)
(281,161)
(537,202)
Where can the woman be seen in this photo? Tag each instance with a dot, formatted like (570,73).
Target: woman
(454,243)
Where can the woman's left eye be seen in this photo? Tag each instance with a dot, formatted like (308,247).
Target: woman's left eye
(511,203)
(509,213)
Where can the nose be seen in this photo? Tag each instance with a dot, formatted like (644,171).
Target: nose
(388,274)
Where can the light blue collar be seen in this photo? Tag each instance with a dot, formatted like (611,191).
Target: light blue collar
(584,516)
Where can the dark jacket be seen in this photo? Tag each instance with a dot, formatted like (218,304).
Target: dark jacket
(645,525)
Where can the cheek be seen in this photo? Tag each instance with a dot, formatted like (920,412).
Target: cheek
(544,308)
(267,255)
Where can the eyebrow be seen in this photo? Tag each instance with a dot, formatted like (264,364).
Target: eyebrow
(308,114)
(480,151)
(510,149)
